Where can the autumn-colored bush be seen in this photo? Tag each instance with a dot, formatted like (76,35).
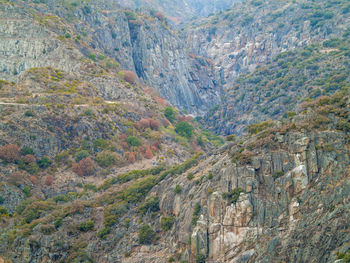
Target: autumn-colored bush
(148,153)
(186,118)
(147,123)
(165,122)
(154,124)
(48,180)
(142,124)
(131,157)
(160,101)
(29,158)
(130,76)
(84,167)
(33,179)
(10,153)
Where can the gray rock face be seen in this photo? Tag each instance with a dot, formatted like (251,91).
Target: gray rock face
(161,60)
(282,213)
(144,45)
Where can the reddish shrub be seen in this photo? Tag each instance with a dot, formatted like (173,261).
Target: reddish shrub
(185,118)
(148,153)
(9,153)
(123,137)
(29,158)
(144,123)
(165,122)
(154,124)
(156,145)
(153,148)
(33,179)
(84,167)
(130,76)
(160,101)
(131,157)
(48,180)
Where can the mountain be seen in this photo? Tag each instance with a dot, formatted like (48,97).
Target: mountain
(112,117)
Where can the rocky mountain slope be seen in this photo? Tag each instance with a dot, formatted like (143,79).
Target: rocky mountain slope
(253,32)
(60,33)
(278,196)
(280,87)
(99,163)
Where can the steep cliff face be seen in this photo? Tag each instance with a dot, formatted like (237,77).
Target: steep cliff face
(137,42)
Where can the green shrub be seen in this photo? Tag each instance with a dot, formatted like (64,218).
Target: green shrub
(146,235)
(232,197)
(100,144)
(150,205)
(189,176)
(27,150)
(103,232)
(2,200)
(184,129)
(200,258)
(62,156)
(29,113)
(3,211)
(90,187)
(166,223)
(86,226)
(89,113)
(258,127)
(81,155)
(133,141)
(26,191)
(169,113)
(277,174)
(110,220)
(106,158)
(44,162)
(47,229)
(177,189)
(92,56)
(196,213)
